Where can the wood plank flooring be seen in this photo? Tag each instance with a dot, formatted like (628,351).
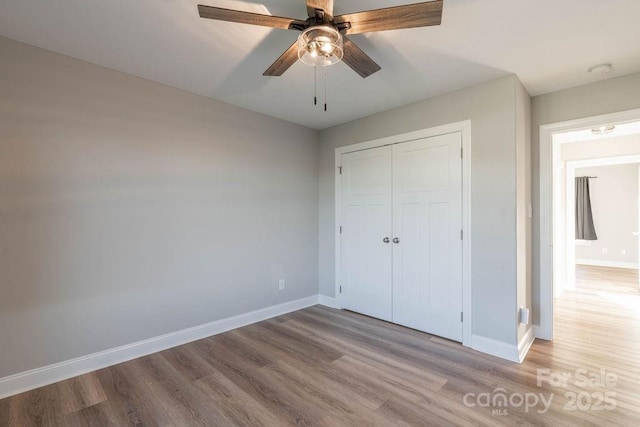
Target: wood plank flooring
(327,367)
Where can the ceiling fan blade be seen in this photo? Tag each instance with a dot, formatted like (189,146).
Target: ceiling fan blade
(325,5)
(393,18)
(229,15)
(359,61)
(286,60)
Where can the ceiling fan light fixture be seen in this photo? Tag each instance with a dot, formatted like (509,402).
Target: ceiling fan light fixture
(320,46)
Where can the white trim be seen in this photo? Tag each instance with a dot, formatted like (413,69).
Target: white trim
(328,301)
(537,331)
(559,222)
(495,348)
(405,137)
(467,301)
(503,350)
(464,127)
(569,229)
(606,161)
(545,329)
(604,263)
(50,374)
(525,344)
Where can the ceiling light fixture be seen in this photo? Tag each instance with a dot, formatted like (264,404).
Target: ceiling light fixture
(603,130)
(320,46)
(601,69)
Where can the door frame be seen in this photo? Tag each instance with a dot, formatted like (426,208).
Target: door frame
(464,128)
(549,153)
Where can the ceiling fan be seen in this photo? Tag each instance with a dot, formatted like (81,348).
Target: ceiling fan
(323,40)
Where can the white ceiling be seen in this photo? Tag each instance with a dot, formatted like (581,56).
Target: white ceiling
(582,135)
(550,44)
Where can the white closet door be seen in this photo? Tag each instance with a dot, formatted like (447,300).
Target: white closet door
(366,222)
(427,219)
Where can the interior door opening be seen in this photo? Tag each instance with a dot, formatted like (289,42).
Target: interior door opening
(596,245)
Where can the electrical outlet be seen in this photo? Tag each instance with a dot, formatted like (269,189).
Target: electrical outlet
(524,315)
(281,285)
(623,251)
(605,251)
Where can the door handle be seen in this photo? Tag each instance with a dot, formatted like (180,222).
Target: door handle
(385,240)
(396,240)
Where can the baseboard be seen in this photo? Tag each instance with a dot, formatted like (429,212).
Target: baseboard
(328,301)
(29,380)
(525,344)
(602,263)
(495,348)
(541,333)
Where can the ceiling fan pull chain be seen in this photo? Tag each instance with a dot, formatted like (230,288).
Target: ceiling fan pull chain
(315,85)
(325,88)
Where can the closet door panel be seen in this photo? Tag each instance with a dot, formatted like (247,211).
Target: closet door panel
(427,219)
(366,220)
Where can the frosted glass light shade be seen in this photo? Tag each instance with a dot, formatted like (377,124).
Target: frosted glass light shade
(320,46)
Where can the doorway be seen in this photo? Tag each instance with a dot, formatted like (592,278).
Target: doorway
(601,150)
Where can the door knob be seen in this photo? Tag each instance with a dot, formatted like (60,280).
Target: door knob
(396,240)
(386,240)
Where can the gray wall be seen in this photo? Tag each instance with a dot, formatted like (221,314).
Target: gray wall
(614,200)
(523,202)
(491,108)
(615,179)
(608,96)
(129,209)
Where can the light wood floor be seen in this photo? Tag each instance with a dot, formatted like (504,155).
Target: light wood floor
(327,367)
